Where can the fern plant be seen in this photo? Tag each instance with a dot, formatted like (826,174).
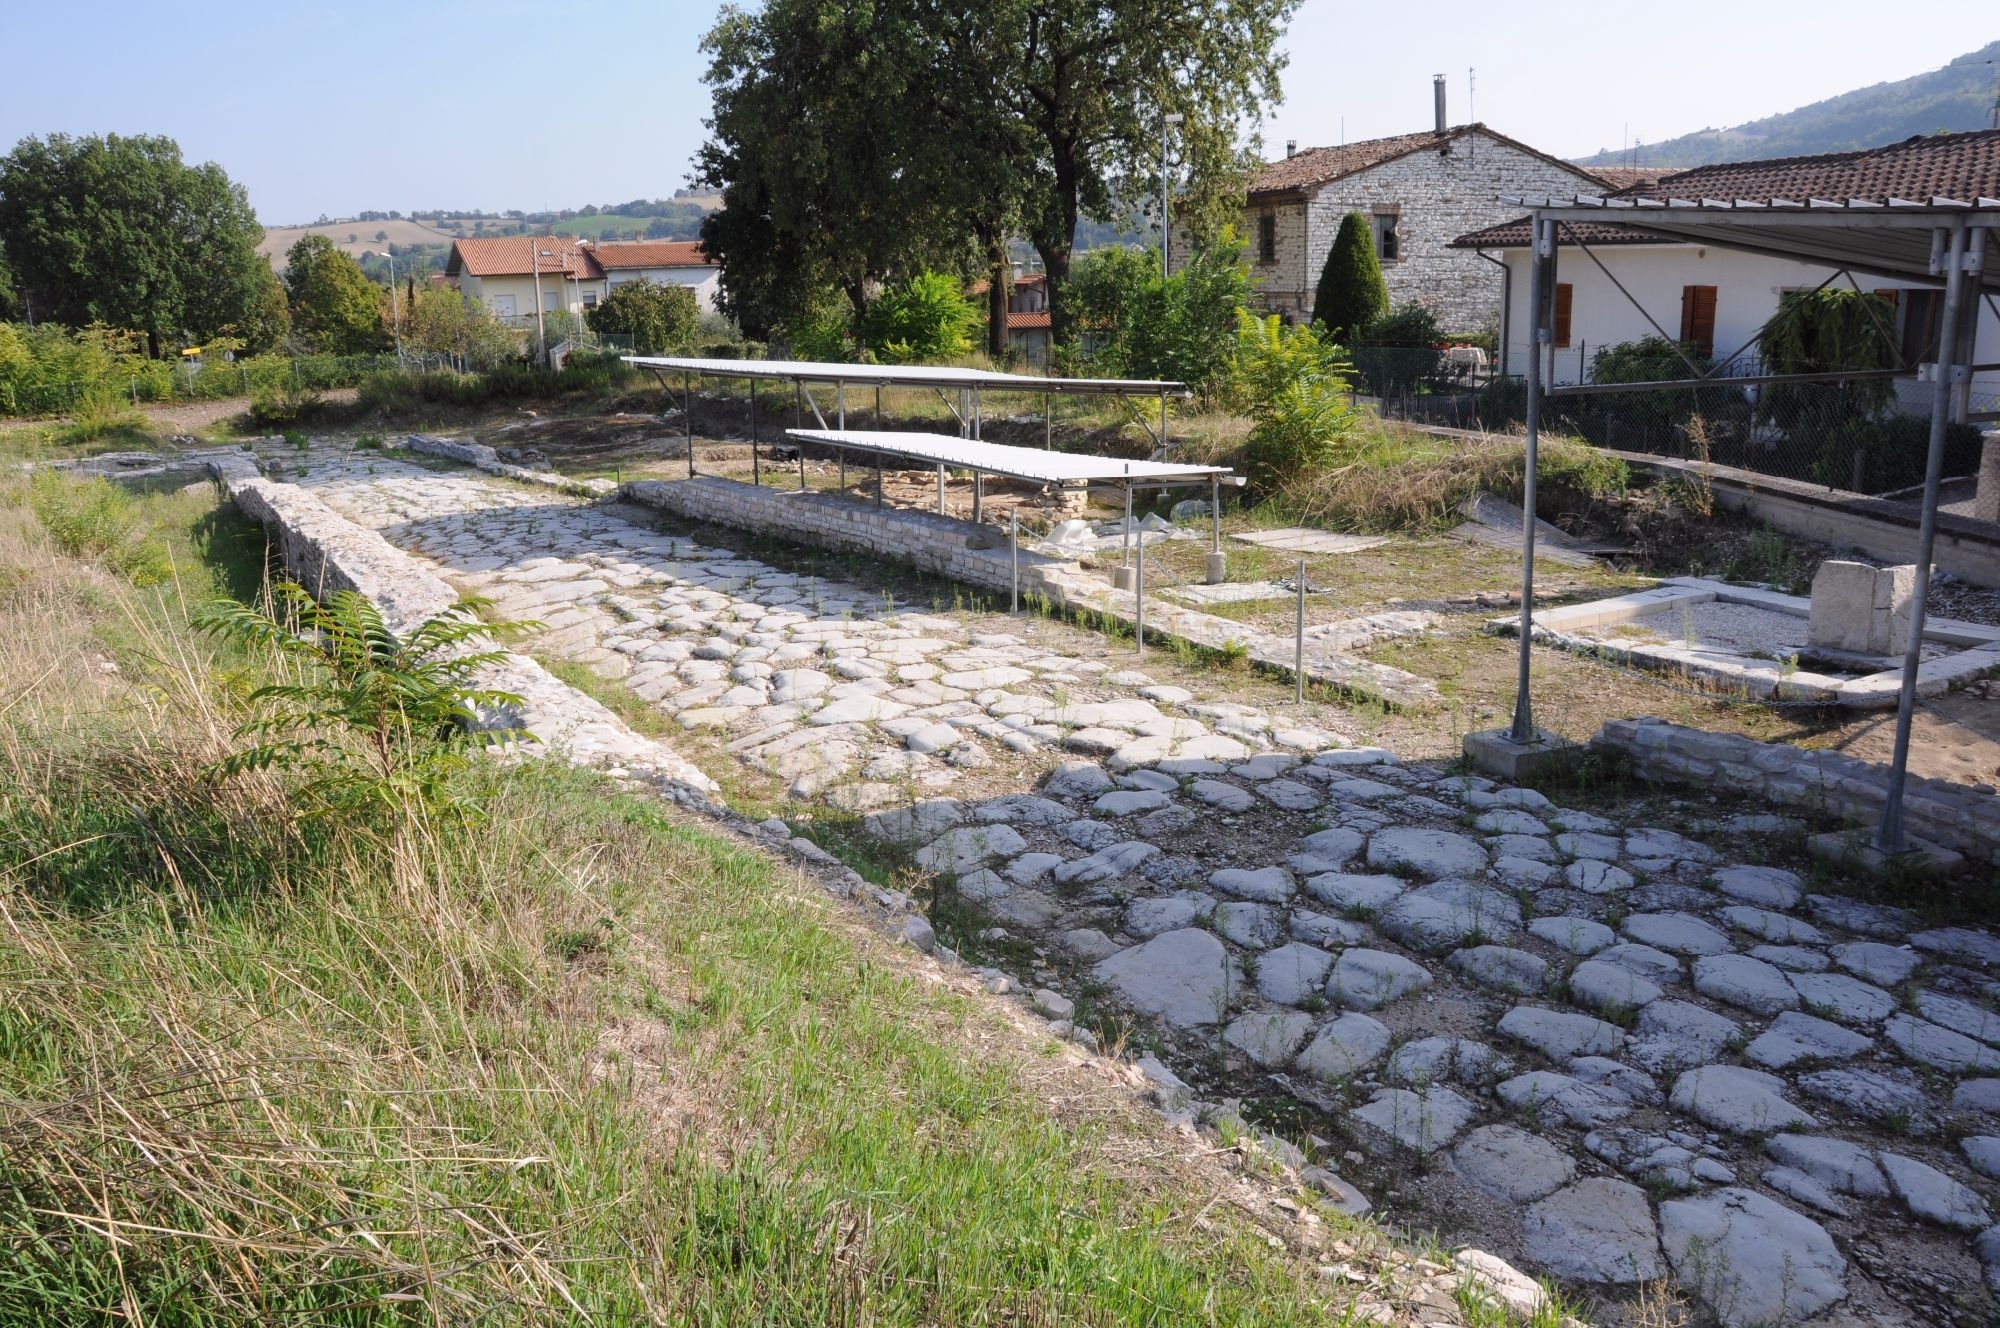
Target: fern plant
(375,723)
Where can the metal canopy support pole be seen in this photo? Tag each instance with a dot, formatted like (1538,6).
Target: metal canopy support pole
(1540,254)
(802,467)
(1215,511)
(840,404)
(940,488)
(687,408)
(1126,547)
(1163,426)
(1891,838)
(1048,423)
(978,493)
(756,475)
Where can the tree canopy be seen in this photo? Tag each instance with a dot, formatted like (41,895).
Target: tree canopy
(658,318)
(335,307)
(119,230)
(856,144)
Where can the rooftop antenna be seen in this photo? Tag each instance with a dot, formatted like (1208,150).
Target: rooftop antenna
(1471,95)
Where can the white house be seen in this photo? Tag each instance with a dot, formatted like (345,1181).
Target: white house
(667,262)
(1419,192)
(1718,299)
(510,273)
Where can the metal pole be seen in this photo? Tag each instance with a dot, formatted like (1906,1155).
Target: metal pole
(940,488)
(1299,640)
(840,404)
(756,476)
(1215,510)
(1139,601)
(1014,544)
(1890,838)
(687,408)
(978,493)
(1126,546)
(1048,423)
(1543,233)
(802,467)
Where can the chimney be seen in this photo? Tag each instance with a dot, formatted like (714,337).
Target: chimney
(1437,99)
(1291,147)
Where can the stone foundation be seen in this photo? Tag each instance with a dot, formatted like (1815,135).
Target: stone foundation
(1964,820)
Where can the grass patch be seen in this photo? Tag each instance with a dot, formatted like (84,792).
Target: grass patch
(588,1060)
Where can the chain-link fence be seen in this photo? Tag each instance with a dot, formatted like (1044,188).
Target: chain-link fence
(1866,434)
(164,381)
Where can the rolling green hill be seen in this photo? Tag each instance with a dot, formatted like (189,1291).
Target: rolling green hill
(1959,96)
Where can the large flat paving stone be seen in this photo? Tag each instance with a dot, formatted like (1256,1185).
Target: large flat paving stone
(1423,1122)
(1750,1259)
(1746,983)
(1837,996)
(1366,979)
(1843,1167)
(1269,885)
(1738,1100)
(1270,1038)
(1360,895)
(968,847)
(1597,1230)
(1513,971)
(1345,1047)
(1293,974)
(1511,1164)
(1765,887)
(1430,854)
(1795,1038)
(1610,989)
(1579,936)
(1676,933)
(1560,1034)
(1933,1196)
(1181,977)
(1940,1048)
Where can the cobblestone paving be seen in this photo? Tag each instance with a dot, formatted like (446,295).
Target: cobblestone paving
(1616,1051)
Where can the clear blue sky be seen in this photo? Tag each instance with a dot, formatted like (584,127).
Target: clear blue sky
(431,103)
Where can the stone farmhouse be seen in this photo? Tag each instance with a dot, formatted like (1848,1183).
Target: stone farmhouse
(1420,192)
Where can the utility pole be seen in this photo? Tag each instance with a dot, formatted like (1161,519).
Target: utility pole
(395,308)
(1167,122)
(541,331)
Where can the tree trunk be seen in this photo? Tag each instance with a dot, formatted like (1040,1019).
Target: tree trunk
(1055,241)
(998,274)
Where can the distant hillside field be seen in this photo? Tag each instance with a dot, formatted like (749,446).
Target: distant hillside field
(356,237)
(1955,98)
(591,227)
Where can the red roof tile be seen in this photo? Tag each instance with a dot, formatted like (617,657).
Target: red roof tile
(1312,167)
(622,254)
(1514,235)
(520,255)
(1020,322)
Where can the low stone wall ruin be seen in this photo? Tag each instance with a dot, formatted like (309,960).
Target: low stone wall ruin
(1962,819)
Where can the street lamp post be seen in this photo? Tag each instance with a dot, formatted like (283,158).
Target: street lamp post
(1169,120)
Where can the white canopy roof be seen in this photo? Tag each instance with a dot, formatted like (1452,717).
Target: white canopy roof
(1021,463)
(905,375)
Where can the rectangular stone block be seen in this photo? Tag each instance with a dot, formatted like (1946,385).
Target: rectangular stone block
(1986,500)
(1860,609)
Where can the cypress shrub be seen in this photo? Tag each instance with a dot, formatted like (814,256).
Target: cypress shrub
(1351,292)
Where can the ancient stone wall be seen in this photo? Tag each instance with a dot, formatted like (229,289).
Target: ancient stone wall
(1961,819)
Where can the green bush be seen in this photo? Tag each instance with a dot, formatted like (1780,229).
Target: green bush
(278,408)
(96,520)
(659,318)
(1895,450)
(923,320)
(1397,352)
(396,391)
(1295,388)
(1140,324)
(1351,292)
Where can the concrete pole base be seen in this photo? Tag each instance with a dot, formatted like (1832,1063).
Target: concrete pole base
(1124,578)
(1218,568)
(1494,752)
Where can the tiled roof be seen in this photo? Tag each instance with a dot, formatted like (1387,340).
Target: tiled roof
(519,255)
(1311,167)
(1029,281)
(621,254)
(1514,235)
(1926,166)
(1018,322)
(1964,167)
(1625,177)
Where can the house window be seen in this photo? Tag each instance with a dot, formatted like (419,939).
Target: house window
(590,299)
(1564,293)
(1387,243)
(1698,318)
(1267,239)
(548,302)
(503,306)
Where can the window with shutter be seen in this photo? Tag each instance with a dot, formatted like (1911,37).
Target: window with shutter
(1564,293)
(1267,239)
(1698,317)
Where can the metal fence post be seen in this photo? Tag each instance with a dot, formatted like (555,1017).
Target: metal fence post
(1543,236)
(1139,598)
(1299,640)
(1014,546)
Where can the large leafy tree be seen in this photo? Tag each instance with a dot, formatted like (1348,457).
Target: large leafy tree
(119,230)
(1091,81)
(335,307)
(824,145)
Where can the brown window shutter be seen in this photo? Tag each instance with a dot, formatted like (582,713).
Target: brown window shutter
(1698,317)
(1564,293)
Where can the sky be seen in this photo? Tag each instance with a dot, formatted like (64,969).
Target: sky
(494,105)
